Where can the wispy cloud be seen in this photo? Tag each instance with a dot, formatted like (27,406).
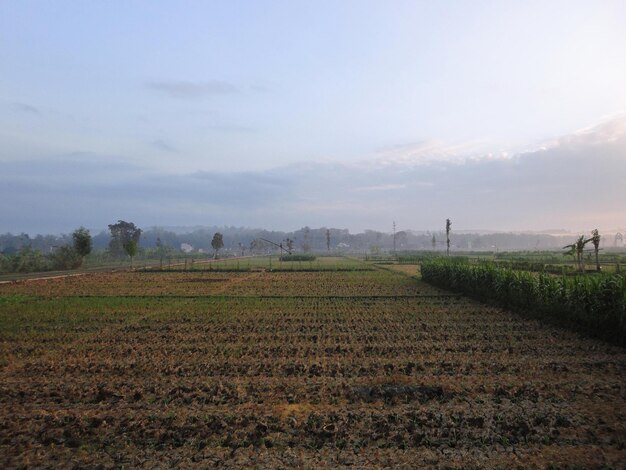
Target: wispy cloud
(181,89)
(433,151)
(23,107)
(229,128)
(380,187)
(163,145)
(259,88)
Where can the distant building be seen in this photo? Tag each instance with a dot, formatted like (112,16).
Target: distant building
(186,248)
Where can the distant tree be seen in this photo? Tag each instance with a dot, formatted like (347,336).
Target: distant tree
(122,234)
(161,251)
(595,239)
(64,258)
(434,242)
(448,228)
(571,251)
(217,243)
(289,243)
(577,248)
(255,245)
(242,248)
(28,260)
(306,246)
(394,237)
(82,242)
(131,247)
(402,239)
(327,239)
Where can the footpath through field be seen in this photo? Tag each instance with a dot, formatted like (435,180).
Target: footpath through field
(37,276)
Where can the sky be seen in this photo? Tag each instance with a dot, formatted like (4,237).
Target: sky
(280,114)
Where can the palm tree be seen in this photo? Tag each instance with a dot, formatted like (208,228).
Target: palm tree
(595,239)
(577,248)
(448,228)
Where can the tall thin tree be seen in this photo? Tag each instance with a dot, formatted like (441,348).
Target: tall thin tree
(595,239)
(448,229)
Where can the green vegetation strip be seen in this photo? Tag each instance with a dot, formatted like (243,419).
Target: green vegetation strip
(255,296)
(594,305)
(257,269)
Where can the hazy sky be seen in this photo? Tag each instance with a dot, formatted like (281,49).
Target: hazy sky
(133,96)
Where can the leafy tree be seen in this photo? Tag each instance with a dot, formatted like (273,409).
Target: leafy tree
(434,242)
(82,242)
(161,250)
(595,239)
(131,247)
(123,233)
(28,260)
(217,243)
(448,228)
(402,239)
(5,263)
(306,246)
(289,243)
(65,258)
(327,239)
(256,244)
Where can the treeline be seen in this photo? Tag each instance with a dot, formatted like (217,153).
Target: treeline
(304,239)
(60,258)
(594,304)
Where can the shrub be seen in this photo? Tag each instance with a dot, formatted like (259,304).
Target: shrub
(298,257)
(28,260)
(64,258)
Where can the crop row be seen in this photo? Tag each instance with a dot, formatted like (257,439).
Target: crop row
(314,372)
(204,283)
(593,304)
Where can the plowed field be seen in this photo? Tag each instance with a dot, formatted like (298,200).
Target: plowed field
(295,369)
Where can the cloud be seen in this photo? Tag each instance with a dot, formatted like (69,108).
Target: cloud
(162,145)
(24,108)
(229,128)
(577,183)
(259,88)
(380,187)
(188,90)
(433,151)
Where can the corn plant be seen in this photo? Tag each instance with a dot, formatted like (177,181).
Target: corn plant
(595,304)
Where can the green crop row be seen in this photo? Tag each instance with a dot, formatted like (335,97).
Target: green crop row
(593,304)
(298,257)
(535,266)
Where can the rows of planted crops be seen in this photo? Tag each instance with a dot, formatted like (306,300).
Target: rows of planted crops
(594,304)
(365,367)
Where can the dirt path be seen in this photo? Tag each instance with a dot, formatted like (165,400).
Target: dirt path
(54,274)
